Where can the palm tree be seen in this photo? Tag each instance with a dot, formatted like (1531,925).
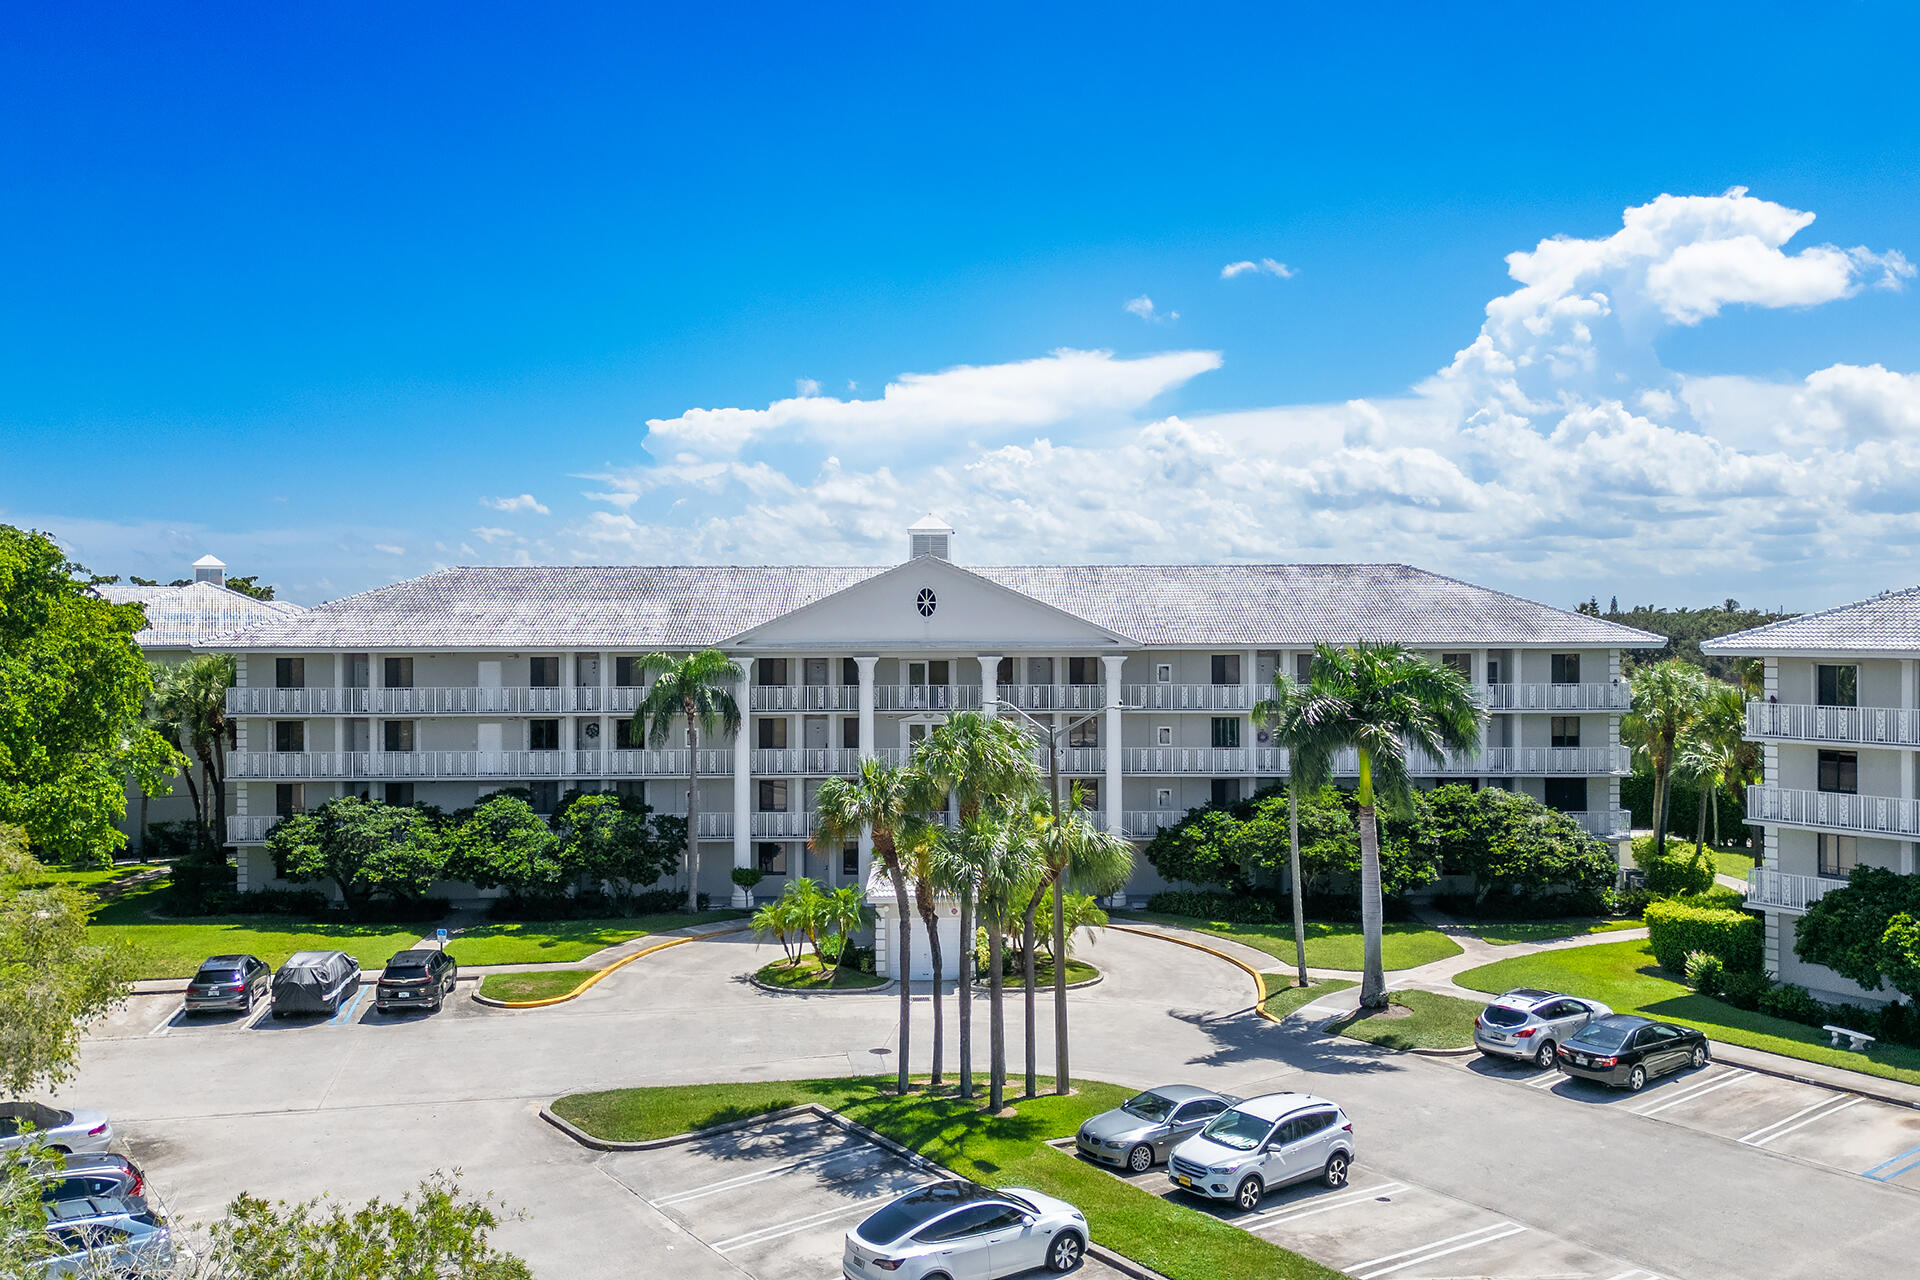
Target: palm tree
(1279,715)
(984,761)
(192,698)
(698,688)
(1005,864)
(1379,700)
(843,912)
(1715,752)
(883,798)
(919,841)
(1666,698)
(1071,850)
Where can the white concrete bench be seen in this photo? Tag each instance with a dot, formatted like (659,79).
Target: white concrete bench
(1856,1040)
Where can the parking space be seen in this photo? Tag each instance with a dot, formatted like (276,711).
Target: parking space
(1826,1126)
(166,1015)
(776,1200)
(1377,1227)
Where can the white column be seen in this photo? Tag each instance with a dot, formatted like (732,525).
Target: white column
(376,738)
(743,780)
(1110,664)
(1479,674)
(866,664)
(606,719)
(569,725)
(989,683)
(1906,761)
(1249,675)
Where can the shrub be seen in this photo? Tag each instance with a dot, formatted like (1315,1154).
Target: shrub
(1625,902)
(1676,927)
(1233,908)
(1683,869)
(1526,860)
(265,902)
(1865,931)
(1705,972)
(1796,1004)
(1743,990)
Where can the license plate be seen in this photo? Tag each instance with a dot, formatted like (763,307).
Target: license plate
(1580,1059)
(1183,1180)
(403,995)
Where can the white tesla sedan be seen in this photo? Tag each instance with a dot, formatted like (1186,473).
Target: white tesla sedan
(958,1230)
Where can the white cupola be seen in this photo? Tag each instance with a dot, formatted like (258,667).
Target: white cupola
(930,536)
(210,569)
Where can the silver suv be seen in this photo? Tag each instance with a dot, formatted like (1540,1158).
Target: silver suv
(1529,1024)
(1264,1143)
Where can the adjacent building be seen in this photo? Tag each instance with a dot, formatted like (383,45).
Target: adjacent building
(452,685)
(1839,729)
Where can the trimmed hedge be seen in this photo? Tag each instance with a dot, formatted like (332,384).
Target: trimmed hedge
(1686,868)
(1676,927)
(1232,908)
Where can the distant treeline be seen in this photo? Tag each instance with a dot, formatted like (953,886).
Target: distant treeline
(1685,629)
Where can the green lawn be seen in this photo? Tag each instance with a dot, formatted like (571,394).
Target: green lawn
(1283,997)
(1329,946)
(1625,975)
(1432,1021)
(1180,1242)
(1077,971)
(1732,862)
(95,878)
(1505,933)
(808,975)
(561,941)
(175,948)
(543,985)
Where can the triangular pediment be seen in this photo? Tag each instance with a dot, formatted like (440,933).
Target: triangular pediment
(929,603)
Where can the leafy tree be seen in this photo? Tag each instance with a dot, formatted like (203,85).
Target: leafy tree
(698,689)
(1865,931)
(53,980)
(190,703)
(1516,848)
(1199,849)
(1685,628)
(503,844)
(365,847)
(1380,701)
(1082,912)
(73,695)
(618,844)
(779,921)
(250,586)
(1667,698)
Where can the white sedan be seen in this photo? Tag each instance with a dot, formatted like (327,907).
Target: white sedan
(958,1230)
(67,1132)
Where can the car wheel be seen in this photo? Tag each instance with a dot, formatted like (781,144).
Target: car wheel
(1699,1056)
(1140,1159)
(1335,1174)
(1636,1079)
(1064,1253)
(1247,1194)
(1544,1058)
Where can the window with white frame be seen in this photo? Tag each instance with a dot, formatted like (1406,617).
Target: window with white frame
(1163,798)
(1163,673)
(1163,735)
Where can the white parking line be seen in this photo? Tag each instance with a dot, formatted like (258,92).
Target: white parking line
(1326,1204)
(1547,1079)
(1638,1273)
(1698,1089)
(748,1179)
(166,1023)
(1372,1269)
(795,1227)
(1778,1131)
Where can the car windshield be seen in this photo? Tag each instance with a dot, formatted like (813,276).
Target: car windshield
(1238,1130)
(1149,1106)
(1499,1015)
(1603,1036)
(405,971)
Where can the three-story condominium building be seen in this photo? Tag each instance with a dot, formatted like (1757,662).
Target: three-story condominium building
(1839,731)
(458,683)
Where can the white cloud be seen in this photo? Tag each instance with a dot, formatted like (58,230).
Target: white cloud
(1143,307)
(524,502)
(1266,266)
(806,387)
(490,534)
(387,548)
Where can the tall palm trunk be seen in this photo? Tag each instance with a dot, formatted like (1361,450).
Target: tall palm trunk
(930,917)
(883,845)
(1062,1073)
(1027,970)
(966,991)
(1373,981)
(1299,895)
(996,1018)
(1700,831)
(1713,802)
(693,812)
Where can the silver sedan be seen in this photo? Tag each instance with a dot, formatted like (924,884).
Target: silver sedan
(1142,1131)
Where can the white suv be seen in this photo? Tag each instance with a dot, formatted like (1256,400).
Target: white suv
(1263,1143)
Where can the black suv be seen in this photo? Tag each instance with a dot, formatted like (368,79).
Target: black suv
(228,983)
(415,978)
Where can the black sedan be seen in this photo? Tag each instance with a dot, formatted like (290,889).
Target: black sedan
(1625,1051)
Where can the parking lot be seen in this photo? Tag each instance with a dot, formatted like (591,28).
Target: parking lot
(165,1015)
(1376,1227)
(1825,1126)
(776,1200)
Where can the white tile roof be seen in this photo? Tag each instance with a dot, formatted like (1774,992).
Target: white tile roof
(193,615)
(1888,623)
(686,606)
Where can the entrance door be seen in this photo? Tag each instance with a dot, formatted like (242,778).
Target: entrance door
(816,733)
(489,733)
(586,668)
(816,673)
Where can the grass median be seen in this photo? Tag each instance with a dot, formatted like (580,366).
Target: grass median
(163,947)
(1329,946)
(1507,933)
(563,941)
(1283,997)
(1626,976)
(1179,1242)
(543,984)
(1414,1020)
(807,974)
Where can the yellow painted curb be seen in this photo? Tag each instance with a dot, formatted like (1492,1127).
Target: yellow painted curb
(598,974)
(1259,983)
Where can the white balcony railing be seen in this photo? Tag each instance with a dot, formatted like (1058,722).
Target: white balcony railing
(925,697)
(1532,762)
(1865,726)
(1191,697)
(250,828)
(794,825)
(1142,824)
(804,697)
(1214,761)
(1608,824)
(1834,811)
(825,761)
(1053,697)
(435,700)
(400,765)
(1785,891)
(298,702)
(1614,696)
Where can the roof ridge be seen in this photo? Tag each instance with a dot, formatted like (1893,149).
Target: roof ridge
(1815,614)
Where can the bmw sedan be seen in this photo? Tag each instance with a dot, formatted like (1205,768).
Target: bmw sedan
(1531,1025)
(959,1230)
(1627,1051)
(1141,1132)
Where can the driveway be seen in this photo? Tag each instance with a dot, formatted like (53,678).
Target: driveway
(369,1105)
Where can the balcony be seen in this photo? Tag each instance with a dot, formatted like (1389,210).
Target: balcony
(1607,824)
(1053,697)
(926,697)
(1616,696)
(1144,824)
(1772,890)
(1532,762)
(1190,697)
(804,697)
(250,828)
(429,765)
(1855,726)
(435,700)
(1834,811)
(1207,761)
(793,825)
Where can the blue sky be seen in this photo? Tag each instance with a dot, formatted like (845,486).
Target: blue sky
(327,294)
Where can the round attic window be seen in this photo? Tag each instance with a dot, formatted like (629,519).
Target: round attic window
(925,602)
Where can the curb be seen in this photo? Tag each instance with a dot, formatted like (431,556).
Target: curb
(1738,1059)
(598,974)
